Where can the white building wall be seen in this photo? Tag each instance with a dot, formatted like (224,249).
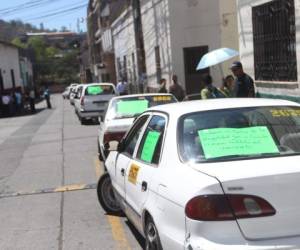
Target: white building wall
(245,31)
(156,30)
(124,41)
(194,23)
(229,30)
(9,59)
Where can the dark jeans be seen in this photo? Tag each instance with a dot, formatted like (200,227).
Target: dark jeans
(48,102)
(32,105)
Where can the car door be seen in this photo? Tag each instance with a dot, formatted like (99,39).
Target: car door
(123,159)
(143,167)
(77,97)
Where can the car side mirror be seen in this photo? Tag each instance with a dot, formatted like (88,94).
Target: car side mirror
(100,118)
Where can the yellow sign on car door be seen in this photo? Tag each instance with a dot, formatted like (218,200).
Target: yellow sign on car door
(133,173)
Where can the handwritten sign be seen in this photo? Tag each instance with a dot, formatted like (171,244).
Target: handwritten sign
(133,173)
(150,145)
(132,107)
(285,112)
(94,90)
(220,142)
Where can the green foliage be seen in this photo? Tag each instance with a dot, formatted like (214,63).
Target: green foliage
(17,42)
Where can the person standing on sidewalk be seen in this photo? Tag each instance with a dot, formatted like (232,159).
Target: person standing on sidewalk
(244,85)
(162,86)
(32,100)
(47,97)
(176,89)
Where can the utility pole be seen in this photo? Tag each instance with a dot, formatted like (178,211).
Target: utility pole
(139,41)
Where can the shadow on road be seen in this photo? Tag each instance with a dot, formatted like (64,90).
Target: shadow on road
(24,113)
(140,239)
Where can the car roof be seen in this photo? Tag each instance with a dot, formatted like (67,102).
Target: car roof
(179,109)
(100,83)
(140,95)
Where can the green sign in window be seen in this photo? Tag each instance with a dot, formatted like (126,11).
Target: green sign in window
(150,146)
(94,90)
(132,107)
(220,142)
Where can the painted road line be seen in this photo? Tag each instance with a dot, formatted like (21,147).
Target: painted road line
(118,232)
(67,188)
(98,168)
(114,221)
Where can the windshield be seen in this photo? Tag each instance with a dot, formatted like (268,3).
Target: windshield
(129,107)
(240,134)
(99,90)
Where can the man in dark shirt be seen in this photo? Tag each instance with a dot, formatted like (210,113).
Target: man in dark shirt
(244,86)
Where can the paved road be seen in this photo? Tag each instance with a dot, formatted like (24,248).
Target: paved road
(48,171)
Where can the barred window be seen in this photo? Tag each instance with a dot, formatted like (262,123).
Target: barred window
(274,38)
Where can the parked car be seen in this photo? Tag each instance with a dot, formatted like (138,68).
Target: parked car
(66,93)
(73,92)
(120,114)
(91,100)
(192,97)
(211,174)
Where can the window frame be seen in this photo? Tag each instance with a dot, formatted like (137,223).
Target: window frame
(166,117)
(129,134)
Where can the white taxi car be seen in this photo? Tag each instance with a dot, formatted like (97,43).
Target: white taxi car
(214,174)
(120,114)
(92,99)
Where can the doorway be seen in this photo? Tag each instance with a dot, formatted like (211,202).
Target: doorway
(192,56)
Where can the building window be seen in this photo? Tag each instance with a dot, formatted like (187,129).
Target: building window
(157,63)
(274,38)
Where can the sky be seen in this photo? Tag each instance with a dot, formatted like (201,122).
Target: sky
(53,14)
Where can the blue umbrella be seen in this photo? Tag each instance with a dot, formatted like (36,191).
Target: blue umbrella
(216,56)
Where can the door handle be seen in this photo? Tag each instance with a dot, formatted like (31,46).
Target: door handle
(144,186)
(123,172)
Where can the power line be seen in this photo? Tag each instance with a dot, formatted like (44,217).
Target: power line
(58,12)
(28,5)
(61,7)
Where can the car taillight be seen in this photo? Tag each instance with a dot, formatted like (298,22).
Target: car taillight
(227,207)
(82,101)
(113,136)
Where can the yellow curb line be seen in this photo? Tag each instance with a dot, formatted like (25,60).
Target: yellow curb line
(114,221)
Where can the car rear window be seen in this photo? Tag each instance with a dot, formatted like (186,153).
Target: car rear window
(240,134)
(129,107)
(99,90)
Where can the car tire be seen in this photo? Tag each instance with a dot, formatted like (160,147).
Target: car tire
(152,240)
(82,121)
(106,196)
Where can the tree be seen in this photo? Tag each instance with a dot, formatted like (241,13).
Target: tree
(18,43)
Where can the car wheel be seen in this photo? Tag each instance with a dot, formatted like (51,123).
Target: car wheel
(82,121)
(106,196)
(152,236)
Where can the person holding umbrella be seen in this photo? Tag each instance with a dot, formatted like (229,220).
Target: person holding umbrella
(244,86)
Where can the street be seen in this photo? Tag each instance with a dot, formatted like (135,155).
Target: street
(48,174)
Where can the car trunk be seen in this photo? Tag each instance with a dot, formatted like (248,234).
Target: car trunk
(96,102)
(276,180)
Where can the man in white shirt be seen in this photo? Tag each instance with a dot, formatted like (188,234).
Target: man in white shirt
(122,87)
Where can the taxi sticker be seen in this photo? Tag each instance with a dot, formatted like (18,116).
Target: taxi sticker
(150,146)
(132,107)
(94,90)
(162,98)
(133,173)
(220,142)
(285,112)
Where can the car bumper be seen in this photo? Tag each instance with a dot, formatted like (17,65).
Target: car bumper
(278,244)
(90,114)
